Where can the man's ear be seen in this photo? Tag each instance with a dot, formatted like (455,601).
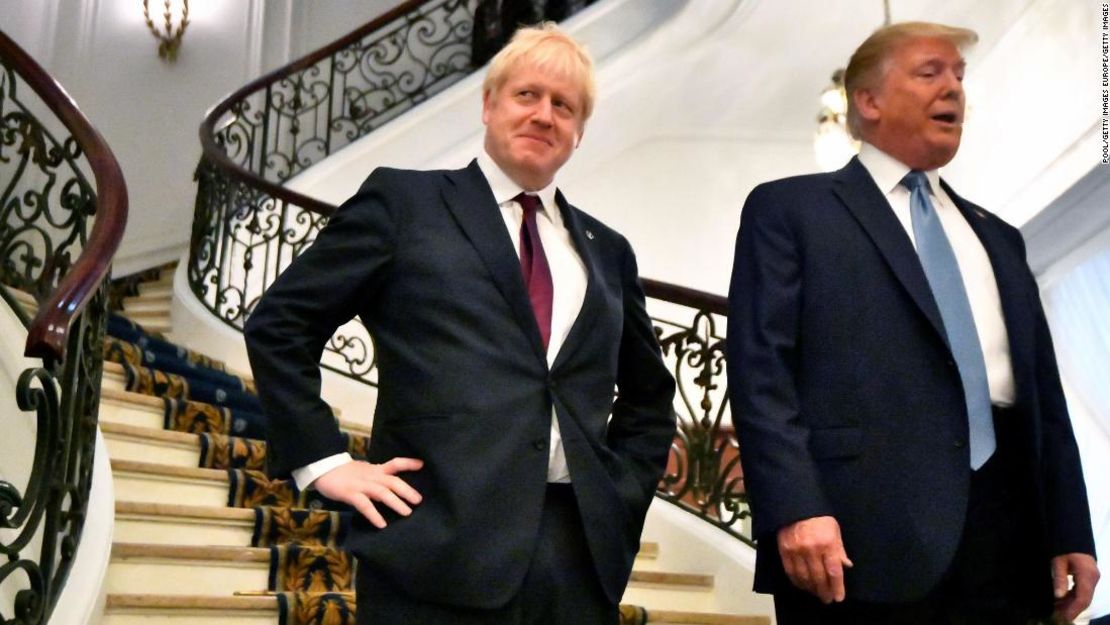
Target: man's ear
(867,104)
(578,136)
(486,95)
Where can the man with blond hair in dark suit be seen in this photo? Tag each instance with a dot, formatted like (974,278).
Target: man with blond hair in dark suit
(503,318)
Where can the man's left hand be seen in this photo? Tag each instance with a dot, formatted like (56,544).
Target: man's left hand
(1084,573)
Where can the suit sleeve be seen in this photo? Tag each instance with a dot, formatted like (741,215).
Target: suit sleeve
(286,333)
(643,423)
(765,300)
(1066,505)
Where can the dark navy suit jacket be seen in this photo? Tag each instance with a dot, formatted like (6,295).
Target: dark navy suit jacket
(426,262)
(847,399)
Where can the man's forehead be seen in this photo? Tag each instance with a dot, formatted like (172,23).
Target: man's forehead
(921,49)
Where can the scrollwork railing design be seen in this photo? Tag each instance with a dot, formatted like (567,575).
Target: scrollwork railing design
(703,474)
(57,239)
(247,227)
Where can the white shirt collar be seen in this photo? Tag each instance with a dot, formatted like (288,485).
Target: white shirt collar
(888,171)
(504,189)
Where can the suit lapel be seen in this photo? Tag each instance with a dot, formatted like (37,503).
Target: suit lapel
(858,191)
(1008,274)
(471,202)
(592,298)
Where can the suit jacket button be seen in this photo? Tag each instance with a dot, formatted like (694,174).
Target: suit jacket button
(539,444)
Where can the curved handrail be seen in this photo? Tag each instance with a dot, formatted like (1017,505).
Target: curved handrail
(47,335)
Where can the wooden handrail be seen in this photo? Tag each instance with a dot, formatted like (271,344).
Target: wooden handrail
(692,298)
(47,335)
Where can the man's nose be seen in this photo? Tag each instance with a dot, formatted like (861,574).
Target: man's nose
(542,112)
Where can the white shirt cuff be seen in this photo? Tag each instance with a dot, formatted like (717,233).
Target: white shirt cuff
(306,475)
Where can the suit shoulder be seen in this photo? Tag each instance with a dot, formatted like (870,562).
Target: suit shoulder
(788,195)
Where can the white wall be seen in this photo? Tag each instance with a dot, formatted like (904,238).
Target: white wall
(149,110)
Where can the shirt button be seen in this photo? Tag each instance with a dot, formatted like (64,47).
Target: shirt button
(539,444)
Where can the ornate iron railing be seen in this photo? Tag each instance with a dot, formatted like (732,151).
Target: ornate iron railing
(54,259)
(248,226)
(703,473)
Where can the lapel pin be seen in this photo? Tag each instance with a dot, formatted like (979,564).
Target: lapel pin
(590,235)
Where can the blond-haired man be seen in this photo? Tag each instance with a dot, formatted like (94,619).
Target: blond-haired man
(906,443)
(498,488)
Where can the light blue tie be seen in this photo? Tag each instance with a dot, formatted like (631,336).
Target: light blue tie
(943,273)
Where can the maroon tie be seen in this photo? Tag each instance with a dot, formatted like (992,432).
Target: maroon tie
(533,264)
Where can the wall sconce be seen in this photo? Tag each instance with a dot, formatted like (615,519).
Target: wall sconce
(169,38)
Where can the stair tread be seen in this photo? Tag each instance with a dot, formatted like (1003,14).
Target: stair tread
(691,580)
(214,513)
(160,435)
(190,552)
(194,602)
(165,470)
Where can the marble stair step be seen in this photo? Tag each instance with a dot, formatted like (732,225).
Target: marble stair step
(179,524)
(143,609)
(156,289)
(150,482)
(147,444)
(147,304)
(113,389)
(212,570)
(154,609)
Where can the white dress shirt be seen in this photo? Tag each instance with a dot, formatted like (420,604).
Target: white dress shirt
(568,278)
(975,265)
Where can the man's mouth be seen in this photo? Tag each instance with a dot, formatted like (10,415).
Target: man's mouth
(947,118)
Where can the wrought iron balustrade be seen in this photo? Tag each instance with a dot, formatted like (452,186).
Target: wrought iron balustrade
(703,474)
(57,239)
(248,226)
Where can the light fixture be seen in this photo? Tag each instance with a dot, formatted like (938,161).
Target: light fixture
(169,38)
(833,145)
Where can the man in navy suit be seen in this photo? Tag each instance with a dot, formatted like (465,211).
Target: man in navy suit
(905,441)
(503,318)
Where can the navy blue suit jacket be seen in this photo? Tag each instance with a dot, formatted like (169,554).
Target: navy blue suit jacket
(423,257)
(847,400)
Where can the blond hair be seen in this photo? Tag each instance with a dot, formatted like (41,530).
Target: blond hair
(869,62)
(548,47)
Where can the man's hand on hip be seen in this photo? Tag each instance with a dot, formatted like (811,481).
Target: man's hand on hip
(813,555)
(361,483)
(1084,574)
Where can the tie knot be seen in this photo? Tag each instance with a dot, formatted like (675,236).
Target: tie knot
(529,202)
(916,180)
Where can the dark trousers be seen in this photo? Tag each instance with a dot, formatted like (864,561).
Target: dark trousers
(560,588)
(993,580)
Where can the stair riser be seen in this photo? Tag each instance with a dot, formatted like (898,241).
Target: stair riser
(130,414)
(670,598)
(160,489)
(178,531)
(181,577)
(169,616)
(172,454)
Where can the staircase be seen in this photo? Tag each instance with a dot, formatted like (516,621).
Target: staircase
(181,555)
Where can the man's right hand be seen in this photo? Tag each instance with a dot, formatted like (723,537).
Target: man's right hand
(813,555)
(359,484)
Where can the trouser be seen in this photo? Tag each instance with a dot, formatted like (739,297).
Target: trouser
(561,586)
(994,579)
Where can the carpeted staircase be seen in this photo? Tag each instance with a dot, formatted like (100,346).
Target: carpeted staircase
(202,536)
